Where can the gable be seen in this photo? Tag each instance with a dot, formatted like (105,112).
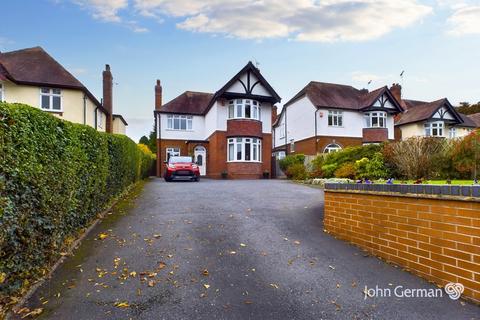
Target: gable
(384,101)
(248,83)
(444,114)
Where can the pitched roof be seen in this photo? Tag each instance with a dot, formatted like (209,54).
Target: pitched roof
(475,118)
(421,110)
(34,66)
(468,122)
(189,102)
(332,95)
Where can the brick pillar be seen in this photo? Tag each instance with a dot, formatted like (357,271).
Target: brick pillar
(108,97)
(158,106)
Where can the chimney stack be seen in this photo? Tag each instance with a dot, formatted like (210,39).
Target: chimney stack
(396,90)
(274,113)
(108,97)
(158,96)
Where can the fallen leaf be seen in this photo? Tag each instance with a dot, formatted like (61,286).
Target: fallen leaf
(233,252)
(205,272)
(170,255)
(243,245)
(274,285)
(34,312)
(156,236)
(151,283)
(102,236)
(338,285)
(332,267)
(296,242)
(3,277)
(354,284)
(286,239)
(161,265)
(122,304)
(206,286)
(248,302)
(133,274)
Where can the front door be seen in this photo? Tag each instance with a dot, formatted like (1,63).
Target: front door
(200,156)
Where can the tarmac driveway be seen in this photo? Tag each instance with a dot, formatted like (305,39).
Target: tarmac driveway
(229,250)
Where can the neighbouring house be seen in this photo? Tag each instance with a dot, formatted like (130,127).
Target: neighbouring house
(475,118)
(326,117)
(33,77)
(431,119)
(227,132)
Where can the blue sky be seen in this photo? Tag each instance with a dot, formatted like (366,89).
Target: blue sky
(199,45)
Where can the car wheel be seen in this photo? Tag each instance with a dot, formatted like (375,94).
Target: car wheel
(197,179)
(168,179)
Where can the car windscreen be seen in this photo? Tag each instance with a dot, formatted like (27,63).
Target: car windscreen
(180,159)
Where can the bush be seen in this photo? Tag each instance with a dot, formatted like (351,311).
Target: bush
(466,155)
(55,177)
(296,171)
(373,168)
(290,160)
(347,170)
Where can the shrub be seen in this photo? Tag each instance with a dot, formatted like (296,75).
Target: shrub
(466,155)
(373,168)
(297,171)
(347,170)
(316,167)
(55,177)
(291,160)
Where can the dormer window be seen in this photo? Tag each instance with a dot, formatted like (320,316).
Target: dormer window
(244,109)
(376,119)
(51,99)
(434,129)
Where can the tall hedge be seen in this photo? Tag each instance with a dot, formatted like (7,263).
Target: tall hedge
(55,177)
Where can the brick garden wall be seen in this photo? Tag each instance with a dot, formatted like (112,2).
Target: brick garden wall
(435,235)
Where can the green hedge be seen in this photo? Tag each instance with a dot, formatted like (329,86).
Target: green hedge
(55,177)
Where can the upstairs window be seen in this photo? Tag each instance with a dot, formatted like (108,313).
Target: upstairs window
(335,118)
(244,149)
(376,119)
(282,131)
(434,129)
(100,119)
(179,122)
(244,109)
(51,99)
(2,95)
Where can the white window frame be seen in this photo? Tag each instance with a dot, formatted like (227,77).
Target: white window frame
(335,118)
(171,118)
(51,95)
(239,144)
(173,151)
(237,109)
(438,126)
(452,132)
(282,131)
(381,116)
(2,92)
(332,147)
(100,119)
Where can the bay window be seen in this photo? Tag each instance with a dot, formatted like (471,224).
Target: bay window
(335,118)
(376,119)
(51,99)
(179,122)
(434,129)
(244,149)
(244,109)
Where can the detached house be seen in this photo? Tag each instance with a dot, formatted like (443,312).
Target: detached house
(31,76)
(432,119)
(326,117)
(228,131)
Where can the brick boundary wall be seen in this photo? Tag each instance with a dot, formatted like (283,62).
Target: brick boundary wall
(432,231)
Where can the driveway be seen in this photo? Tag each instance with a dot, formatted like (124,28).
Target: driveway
(229,250)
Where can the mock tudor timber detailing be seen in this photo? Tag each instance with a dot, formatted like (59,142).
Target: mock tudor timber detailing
(433,231)
(227,132)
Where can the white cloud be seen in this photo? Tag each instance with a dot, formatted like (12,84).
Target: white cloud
(303,20)
(106,10)
(465,20)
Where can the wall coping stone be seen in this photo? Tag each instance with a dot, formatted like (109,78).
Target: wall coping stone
(446,192)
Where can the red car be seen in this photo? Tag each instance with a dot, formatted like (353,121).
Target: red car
(181,168)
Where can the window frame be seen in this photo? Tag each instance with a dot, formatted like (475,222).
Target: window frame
(2,91)
(172,118)
(429,127)
(169,149)
(335,118)
(332,147)
(379,115)
(238,108)
(51,95)
(100,119)
(255,149)
(282,131)
(452,132)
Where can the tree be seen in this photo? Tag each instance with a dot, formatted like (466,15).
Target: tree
(144,140)
(467,108)
(466,155)
(150,141)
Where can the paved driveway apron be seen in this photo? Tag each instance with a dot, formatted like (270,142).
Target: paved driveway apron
(229,250)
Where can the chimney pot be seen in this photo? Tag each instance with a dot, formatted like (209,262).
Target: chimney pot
(158,95)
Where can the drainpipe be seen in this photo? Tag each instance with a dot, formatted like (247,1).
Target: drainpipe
(96,120)
(286,131)
(316,142)
(84,109)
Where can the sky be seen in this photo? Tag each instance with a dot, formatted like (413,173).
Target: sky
(199,45)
